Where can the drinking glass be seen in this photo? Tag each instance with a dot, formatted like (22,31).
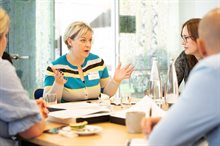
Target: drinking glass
(125,100)
(50,98)
(155,92)
(104,100)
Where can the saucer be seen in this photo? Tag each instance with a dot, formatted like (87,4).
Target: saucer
(89,130)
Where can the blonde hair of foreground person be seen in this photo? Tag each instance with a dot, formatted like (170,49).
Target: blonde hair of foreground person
(4,26)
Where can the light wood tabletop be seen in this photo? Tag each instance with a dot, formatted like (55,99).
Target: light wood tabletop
(111,135)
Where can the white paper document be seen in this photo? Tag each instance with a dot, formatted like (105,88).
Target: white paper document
(143,105)
(77,110)
(74,105)
(137,142)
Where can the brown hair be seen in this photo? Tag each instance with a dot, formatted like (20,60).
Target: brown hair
(192,27)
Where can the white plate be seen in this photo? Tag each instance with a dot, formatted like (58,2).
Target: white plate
(89,130)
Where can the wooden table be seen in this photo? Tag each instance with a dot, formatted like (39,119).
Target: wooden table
(112,135)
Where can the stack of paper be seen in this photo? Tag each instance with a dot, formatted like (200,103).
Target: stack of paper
(74,111)
(143,105)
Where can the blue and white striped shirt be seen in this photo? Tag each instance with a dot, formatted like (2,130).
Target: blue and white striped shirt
(96,79)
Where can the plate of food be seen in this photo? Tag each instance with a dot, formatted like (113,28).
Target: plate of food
(89,130)
(83,129)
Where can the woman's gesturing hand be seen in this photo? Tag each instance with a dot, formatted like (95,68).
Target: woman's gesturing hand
(123,73)
(59,76)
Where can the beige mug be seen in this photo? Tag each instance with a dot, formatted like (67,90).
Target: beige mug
(133,121)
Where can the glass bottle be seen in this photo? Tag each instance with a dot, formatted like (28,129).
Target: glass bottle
(171,86)
(155,89)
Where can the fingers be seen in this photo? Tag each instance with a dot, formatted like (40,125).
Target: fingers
(143,125)
(57,71)
(53,69)
(129,69)
(43,107)
(123,73)
(127,66)
(59,76)
(41,102)
(45,112)
(148,124)
(119,66)
(44,104)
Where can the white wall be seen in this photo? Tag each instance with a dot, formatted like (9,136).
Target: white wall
(196,8)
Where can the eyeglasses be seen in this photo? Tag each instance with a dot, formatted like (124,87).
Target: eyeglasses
(185,38)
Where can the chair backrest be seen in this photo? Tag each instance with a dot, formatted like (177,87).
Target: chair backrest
(38,93)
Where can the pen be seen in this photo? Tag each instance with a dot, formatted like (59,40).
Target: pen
(150,112)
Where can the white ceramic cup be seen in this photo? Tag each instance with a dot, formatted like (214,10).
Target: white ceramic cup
(50,98)
(133,121)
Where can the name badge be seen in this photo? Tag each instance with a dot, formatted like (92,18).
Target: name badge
(93,75)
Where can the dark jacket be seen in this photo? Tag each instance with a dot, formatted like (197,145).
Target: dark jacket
(183,65)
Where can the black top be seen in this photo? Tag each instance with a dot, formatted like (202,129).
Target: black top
(6,56)
(183,65)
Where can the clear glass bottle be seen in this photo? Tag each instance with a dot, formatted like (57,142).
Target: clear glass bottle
(171,85)
(155,89)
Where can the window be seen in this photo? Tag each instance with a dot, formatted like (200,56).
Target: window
(100,15)
(147,29)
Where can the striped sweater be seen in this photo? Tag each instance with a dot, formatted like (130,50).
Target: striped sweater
(96,80)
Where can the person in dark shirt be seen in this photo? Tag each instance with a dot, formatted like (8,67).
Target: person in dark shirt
(184,64)
(195,118)
(190,56)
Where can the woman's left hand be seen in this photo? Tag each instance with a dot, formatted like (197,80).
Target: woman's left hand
(123,73)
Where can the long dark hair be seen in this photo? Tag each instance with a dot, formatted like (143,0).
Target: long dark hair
(192,28)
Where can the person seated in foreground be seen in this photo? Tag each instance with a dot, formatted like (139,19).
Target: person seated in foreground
(19,115)
(196,114)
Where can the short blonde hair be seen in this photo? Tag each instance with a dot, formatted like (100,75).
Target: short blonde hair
(76,29)
(4,22)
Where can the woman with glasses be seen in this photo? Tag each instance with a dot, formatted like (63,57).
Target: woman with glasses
(80,74)
(184,62)
(195,119)
(190,56)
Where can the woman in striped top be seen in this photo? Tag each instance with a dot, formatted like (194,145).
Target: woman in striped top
(79,74)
